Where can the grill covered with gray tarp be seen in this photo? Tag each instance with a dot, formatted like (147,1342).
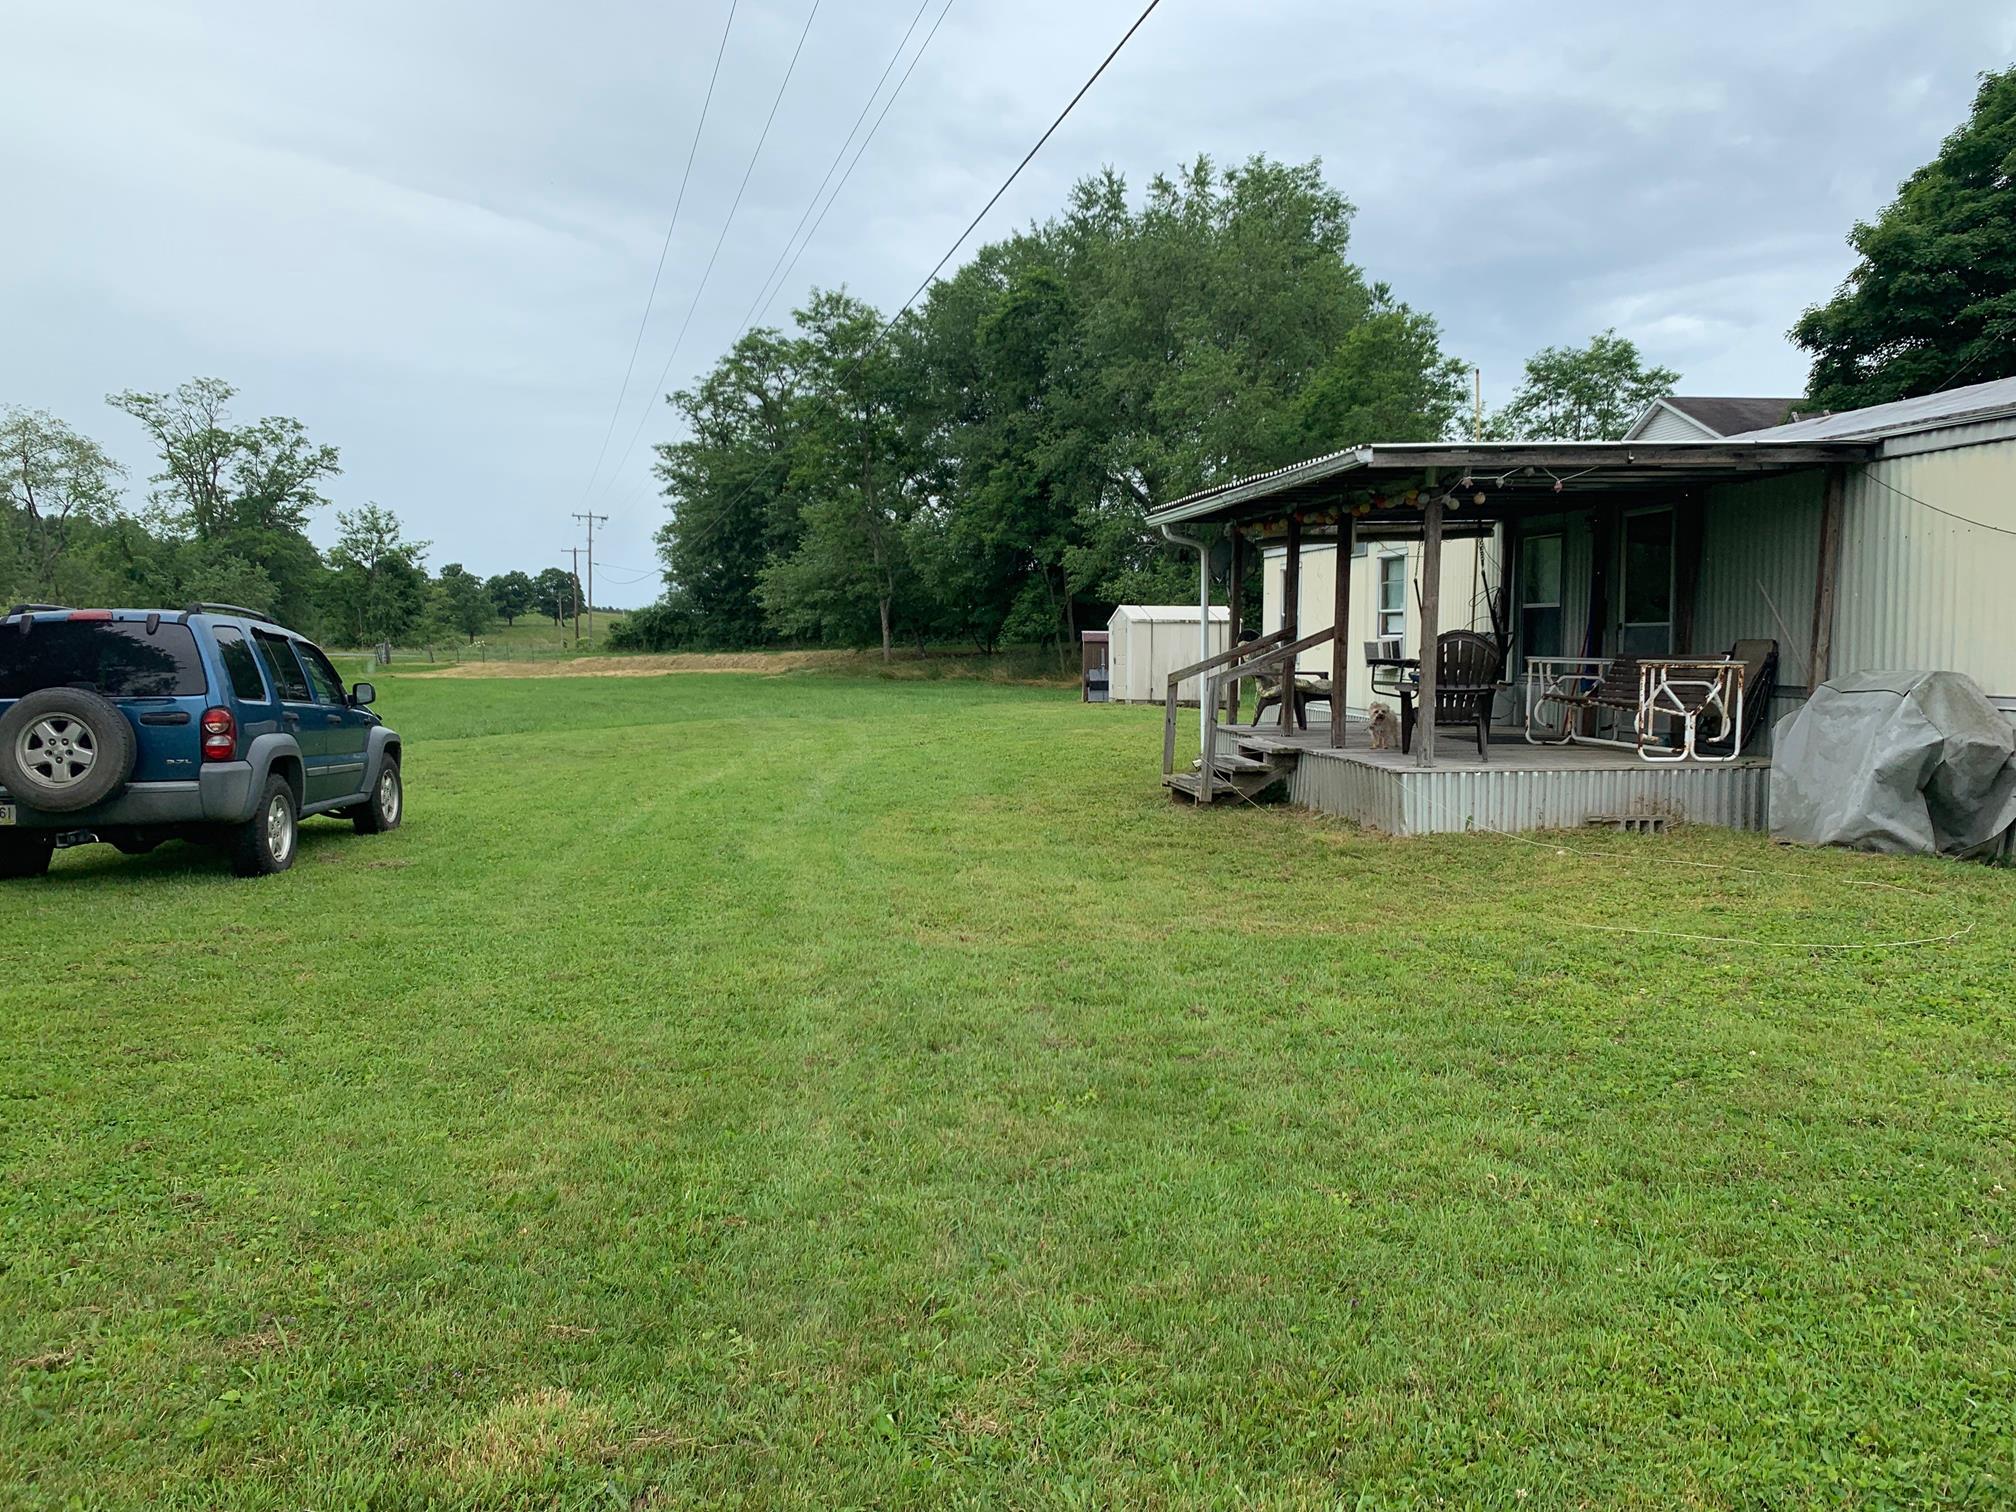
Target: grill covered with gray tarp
(1916,762)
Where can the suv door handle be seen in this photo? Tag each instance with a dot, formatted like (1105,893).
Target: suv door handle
(334,719)
(291,721)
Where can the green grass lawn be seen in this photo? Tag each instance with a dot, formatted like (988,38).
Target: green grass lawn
(813,1091)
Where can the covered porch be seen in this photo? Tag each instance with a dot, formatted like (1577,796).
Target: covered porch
(1635,514)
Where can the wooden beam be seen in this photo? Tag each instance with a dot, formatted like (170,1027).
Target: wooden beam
(1340,622)
(1291,617)
(1431,628)
(1235,598)
(1820,664)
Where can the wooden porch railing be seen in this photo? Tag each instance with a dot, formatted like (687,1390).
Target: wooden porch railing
(1245,649)
(1214,686)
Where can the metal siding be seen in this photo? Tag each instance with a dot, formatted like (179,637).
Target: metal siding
(1919,590)
(1426,803)
(1760,547)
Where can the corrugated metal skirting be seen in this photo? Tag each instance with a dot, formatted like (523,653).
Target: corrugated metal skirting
(1437,802)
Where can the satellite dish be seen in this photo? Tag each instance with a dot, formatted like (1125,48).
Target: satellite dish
(1221,557)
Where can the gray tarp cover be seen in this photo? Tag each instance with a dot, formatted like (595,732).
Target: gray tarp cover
(1895,761)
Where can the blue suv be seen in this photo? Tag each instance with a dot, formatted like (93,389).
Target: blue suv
(210,724)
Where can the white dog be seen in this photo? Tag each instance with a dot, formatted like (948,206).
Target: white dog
(1380,717)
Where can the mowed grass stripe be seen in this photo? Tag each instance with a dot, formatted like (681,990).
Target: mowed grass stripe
(812,1090)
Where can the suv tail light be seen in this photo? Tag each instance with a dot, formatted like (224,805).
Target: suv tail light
(220,735)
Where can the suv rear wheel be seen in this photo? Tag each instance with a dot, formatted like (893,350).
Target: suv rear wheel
(387,803)
(265,843)
(25,855)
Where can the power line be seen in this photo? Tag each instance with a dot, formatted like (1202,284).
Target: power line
(722,517)
(754,313)
(741,189)
(1029,156)
(657,273)
(764,303)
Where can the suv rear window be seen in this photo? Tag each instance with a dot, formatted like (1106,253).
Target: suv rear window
(115,658)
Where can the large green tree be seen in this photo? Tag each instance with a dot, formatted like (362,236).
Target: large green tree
(1931,300)
(1587,393)
(464,600)
(555,592)
(512,594)
(378,589)
(848,577)
(53,482)
(239,491)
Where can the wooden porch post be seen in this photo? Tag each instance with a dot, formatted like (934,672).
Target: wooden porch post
(1291,618)
(1340,623)
(1830,571)
(1431,627)
(1235,598)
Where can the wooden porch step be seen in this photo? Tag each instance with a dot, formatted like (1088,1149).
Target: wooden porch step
(1267,746)
(1232,777)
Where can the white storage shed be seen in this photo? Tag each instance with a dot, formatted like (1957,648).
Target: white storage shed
(1149,641)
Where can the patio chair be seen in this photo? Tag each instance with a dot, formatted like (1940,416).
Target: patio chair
(1703,695)
(1466,681)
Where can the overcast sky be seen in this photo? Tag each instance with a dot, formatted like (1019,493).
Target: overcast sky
(428,228)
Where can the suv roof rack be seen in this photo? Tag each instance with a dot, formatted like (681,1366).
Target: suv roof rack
(36,609)
(238,609)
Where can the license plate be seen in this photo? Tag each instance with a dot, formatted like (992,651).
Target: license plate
(6,813)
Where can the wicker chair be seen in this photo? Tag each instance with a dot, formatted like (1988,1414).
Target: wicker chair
(1467,666)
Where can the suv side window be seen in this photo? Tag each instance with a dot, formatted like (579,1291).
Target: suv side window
(285,669)
(328,686)
(240,665)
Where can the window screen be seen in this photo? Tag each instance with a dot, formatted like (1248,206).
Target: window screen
(285,669)
(240,665)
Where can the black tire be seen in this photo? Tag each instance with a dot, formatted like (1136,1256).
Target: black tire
(386,806)
(265,844)
(64,749)
(25,855)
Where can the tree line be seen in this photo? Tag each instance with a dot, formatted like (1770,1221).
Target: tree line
(225,520)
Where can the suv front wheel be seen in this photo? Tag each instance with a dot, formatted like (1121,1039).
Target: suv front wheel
(265,843)
(385,807)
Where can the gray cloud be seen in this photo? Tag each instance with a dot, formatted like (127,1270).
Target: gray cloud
(427,230)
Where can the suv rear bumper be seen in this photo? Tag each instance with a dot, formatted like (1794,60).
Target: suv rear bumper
(221,794)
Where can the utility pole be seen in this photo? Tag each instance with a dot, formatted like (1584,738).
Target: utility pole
(574,589)
(591,519)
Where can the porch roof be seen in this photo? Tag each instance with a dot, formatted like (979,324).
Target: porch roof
(1511,475)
